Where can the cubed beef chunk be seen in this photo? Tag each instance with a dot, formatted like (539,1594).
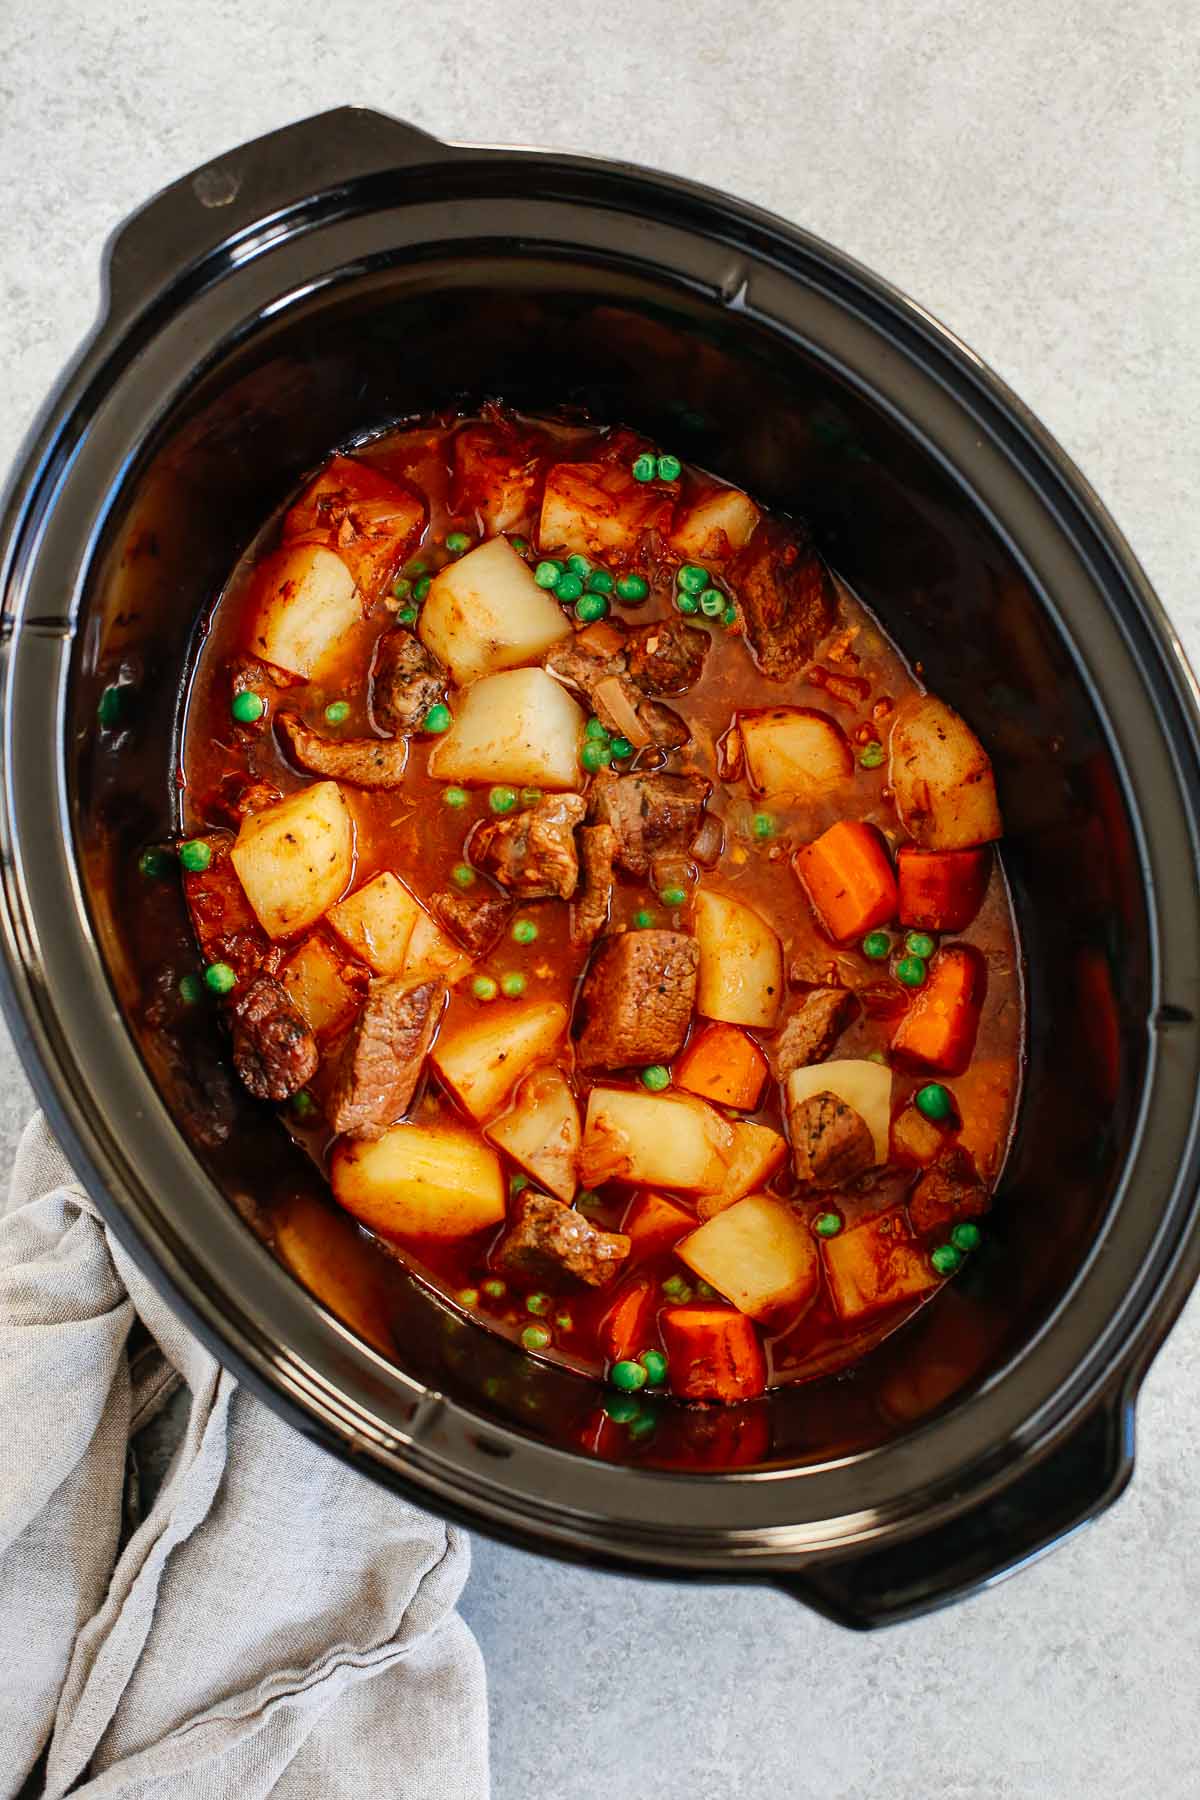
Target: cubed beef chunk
(475,923)
(533,853)
(601,671)
(363,762)
(665,727)
(667,657)
(548,1239)
(810,1033)
(649,814)
(831,1144)
(406,682)
(638,999)
(381,1059)
(949,1190)
(597,845)
(274,1052)
(787,598)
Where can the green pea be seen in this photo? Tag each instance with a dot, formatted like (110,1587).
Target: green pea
(437,719)
(644,467)
(935,1101)
(455,797)
(827,1224)
(569,587)
(588,1201)
(219,978)
(457,542)
(763,825)
(407,615)
(502,799)
(517,1184)
(691,578)
(195,856)
(622,749)
(628,1376)
(655,1365)
(876,1056)
(632,587)
(154,864)
(876,945)
(247,707)
(590,607)
(669,468)
(337,712)
(712,603)
(704,1292)
(677,1289)
(462,875)
(686,603)
(303,1104)
(919,943)
(911,970)
(673,896)
(484,988)
(579,565)
(600,582)
(643,920)
(946,1259)
(729,616)
(520,544)
(966,1236)
(595,755)
(512,985)
(421,588)
(417,566)
(111,709)
(191,990)
(538,1304)
(871,755)
(530,796)
(548,573)
(468,1296)
(524,931)
(402,587)
(535,1337)
(622,1409)
(644,1426)
(495,1290)
(594,729)
(655,1077)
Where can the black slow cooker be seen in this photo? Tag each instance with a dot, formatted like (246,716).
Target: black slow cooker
(347,271)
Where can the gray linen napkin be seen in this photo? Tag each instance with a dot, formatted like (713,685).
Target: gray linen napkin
(277,1624)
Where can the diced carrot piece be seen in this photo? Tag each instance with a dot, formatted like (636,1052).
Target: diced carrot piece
(627,1327)
(725,1065)
(848,878)
(713,1353)
(654,1224)
(941,890)
(938,1030)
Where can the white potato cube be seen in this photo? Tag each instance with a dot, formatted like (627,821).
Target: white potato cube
(942,778)
(431,952)
(794,751)
(741,962)
(420,1181)
(295,859)
(716,526)
(521,727)
(865,1087)
(486,612)
(542,1133)
(597,509)
(316,983)
(661,1140)
(759,1255)
(307,602)
(376,922)
(482,1059)
(757,1153)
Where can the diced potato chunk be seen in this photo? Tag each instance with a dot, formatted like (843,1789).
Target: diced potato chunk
(757,1153)
(376,922)
(295,858)
(373,520)
(716,526)
(496,470)
(741,962)
(319,985)
(306,603)
(794,751)
(915,1139)
(482,1060)
(420,1181)
(520,727)
(542,1133)
(325,1251)
(941,776)
(431,952)
(597,509)
(660,1140)
(865,1087)
(486,612)
(759,1255)
(876,1265)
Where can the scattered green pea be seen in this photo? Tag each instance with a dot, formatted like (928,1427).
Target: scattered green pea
(876,945)
(191,990)
(502,799)
(530,796)
(595,755)
(524,931)
(337,712)
(643,920)
(421,588)
(455,797)
(935,1101)
(871,755)
(712,603)
(219,978)
(517,1184)
(437,719)
(911,970)
(628,1376)
(644,467)
(763,825)
(876,1056)
(303,1104)
(538,1304)
(704,1292)
(195,856)
(632,587)
(563,1322)
(919,943)
(669,468)
(512,985)
(686,603)
(520,544)
(548,573)
(417,566)
(462,875)
(729,616)
(401,587)
(494,1289)
(966,1236)
(588,1201)
(468,1296)
(673,896)
(594,729)
(407,615)
(677,1289)
(600,582)
(535,1337)
(946,1259)
(484,988)
(622,749)
(827,1224)
(644,1426)
(622,1409)
(457,542)
(691,578)
(111,708)
(569,587)
(248,707)
(655,1365)
(579,565)
(655,1077)
(590,607)
(154,864)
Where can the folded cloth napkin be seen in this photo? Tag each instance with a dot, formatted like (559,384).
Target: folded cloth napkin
(278,1624)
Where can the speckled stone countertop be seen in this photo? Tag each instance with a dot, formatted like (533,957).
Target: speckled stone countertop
(1030,175)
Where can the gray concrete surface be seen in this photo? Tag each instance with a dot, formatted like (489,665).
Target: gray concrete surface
(1030,174)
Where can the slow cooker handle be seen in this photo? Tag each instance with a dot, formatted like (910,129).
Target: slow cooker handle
(1064,1491)
(249,187)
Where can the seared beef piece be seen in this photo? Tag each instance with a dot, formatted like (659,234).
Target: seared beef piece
(274,1052)
(638,999)
(382,1057)
(548,1239)
(581,667)
(533,853)
(363,762)
(587,668)
(649,814)
(811,1031)
(830,1142)
(597,844)
(787,598)
(254,797)
(667,657)
(476,924)
(667,730)
(949,1190)
(406,681)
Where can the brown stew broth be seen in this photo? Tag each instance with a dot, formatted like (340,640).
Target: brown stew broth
(413,833)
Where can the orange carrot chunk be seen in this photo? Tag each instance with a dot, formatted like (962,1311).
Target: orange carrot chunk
(654,1224)
(723,1064)
(938,1030)
(941,890)
(627,1328)
(713,1353)
(848,878)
